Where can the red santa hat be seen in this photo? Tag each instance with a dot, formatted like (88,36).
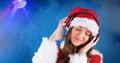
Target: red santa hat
(83,17)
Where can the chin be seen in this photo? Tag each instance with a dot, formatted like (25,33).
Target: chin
(76,44)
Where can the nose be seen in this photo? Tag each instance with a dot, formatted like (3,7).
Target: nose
(81,34)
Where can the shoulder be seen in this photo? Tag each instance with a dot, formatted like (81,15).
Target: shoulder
(96,52)
(96,56)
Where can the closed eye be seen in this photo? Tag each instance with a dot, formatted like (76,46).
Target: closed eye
(88,33)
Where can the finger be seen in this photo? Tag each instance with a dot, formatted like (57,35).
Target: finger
(64,24)
(96,41)
(63,20)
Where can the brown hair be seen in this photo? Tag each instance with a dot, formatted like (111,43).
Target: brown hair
(69,48)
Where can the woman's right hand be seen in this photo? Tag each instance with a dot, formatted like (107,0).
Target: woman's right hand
(57,35)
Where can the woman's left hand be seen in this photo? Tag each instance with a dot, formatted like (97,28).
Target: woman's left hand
(92,43)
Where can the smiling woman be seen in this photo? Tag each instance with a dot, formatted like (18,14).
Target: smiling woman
(79,35)
(82,35)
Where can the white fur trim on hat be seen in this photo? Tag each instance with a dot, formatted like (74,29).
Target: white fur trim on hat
(85,22)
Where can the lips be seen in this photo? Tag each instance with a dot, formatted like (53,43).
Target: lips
(78,39)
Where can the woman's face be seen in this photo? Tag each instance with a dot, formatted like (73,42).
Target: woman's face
(79,35)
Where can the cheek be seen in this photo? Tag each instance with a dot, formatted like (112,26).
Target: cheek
(74,33)
(86,38)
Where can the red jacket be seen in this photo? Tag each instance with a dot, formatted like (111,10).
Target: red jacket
(95,56)
(49,52)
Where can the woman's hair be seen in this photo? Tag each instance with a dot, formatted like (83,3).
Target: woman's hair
(69,48)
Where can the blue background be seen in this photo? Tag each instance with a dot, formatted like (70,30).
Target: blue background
(21,30)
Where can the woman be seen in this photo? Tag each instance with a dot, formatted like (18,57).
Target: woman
(83,34)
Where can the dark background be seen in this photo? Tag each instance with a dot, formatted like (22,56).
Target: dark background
(21,30)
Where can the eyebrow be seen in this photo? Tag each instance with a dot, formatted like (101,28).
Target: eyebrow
(87,30)
(80,26)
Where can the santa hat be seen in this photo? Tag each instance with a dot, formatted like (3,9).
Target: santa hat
(85,18)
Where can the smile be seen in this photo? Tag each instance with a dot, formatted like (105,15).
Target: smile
(78,39)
